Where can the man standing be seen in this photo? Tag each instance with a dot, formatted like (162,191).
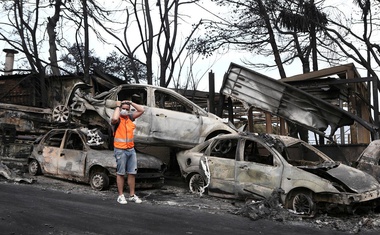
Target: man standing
(125,153)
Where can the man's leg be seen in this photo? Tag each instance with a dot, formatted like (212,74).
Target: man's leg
(131,184)
(120,183)
(121,162)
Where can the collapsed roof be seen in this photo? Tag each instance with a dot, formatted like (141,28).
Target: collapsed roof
(278,98)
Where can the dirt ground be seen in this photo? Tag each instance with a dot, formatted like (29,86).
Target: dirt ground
(175,193)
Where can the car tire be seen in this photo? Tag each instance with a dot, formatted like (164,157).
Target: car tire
(196,182)
(99,181)
(34,168)
(301,202)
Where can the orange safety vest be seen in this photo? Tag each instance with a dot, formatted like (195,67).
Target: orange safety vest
(123,138)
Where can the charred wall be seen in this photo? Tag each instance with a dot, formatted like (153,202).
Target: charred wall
(17,89)
(347,153)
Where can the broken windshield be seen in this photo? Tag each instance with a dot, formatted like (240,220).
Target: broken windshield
(299,154)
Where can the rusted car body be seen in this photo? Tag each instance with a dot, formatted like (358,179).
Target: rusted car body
(369,160)
(169,119)
(248,165)
(67,154)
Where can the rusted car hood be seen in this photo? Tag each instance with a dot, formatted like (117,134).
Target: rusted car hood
(356,180)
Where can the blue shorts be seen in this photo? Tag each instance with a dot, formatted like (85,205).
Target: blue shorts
(126,161)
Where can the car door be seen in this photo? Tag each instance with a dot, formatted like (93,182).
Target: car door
(51,151)
(174,119)
(72,160)
(258,170)
(221,162)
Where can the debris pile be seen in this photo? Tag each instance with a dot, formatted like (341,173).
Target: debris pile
(269,208)
(13,176)
(349,223)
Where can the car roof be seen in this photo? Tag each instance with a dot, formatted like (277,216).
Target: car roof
(171,91)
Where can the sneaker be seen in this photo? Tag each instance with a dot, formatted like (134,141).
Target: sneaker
(121,200)
(135,199)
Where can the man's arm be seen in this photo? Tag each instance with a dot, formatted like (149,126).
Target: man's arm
(139,110)
(116,113)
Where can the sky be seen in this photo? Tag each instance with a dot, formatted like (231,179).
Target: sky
(220,64)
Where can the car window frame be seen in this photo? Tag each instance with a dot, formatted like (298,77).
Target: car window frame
(133,92)
(49,136)
(67,138)
(273,152)
(189,107)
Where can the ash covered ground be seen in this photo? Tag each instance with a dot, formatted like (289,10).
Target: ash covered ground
(175,193)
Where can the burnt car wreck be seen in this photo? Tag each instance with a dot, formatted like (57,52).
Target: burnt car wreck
(189,124)
(73,155)
(248,165)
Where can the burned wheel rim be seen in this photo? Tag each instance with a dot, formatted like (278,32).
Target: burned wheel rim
(34,168)
(99,181)
(303,204)
(61,113)
(196,182)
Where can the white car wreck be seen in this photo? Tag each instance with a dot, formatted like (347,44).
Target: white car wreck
(248,165)
(170,119)
(70,154)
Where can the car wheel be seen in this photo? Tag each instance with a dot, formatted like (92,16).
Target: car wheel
(301,202)
(34,167)
(99,181)
(196,182)
(61,113)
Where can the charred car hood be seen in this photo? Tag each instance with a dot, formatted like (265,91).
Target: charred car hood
(148,161)
(143,160)
(104,157)
(356,180)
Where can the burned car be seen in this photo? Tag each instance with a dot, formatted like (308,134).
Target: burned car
(248,165)
(169,119)
(70,154)
(369,160)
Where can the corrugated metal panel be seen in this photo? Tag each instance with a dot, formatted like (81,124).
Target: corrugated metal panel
(285,101)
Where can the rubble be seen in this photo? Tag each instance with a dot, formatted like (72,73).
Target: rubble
(271,209)
(12,175)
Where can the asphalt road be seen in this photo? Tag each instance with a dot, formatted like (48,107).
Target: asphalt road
(26,209)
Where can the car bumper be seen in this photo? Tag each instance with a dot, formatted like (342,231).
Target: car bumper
(349,198)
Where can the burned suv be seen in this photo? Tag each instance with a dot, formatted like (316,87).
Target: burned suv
(70,154)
